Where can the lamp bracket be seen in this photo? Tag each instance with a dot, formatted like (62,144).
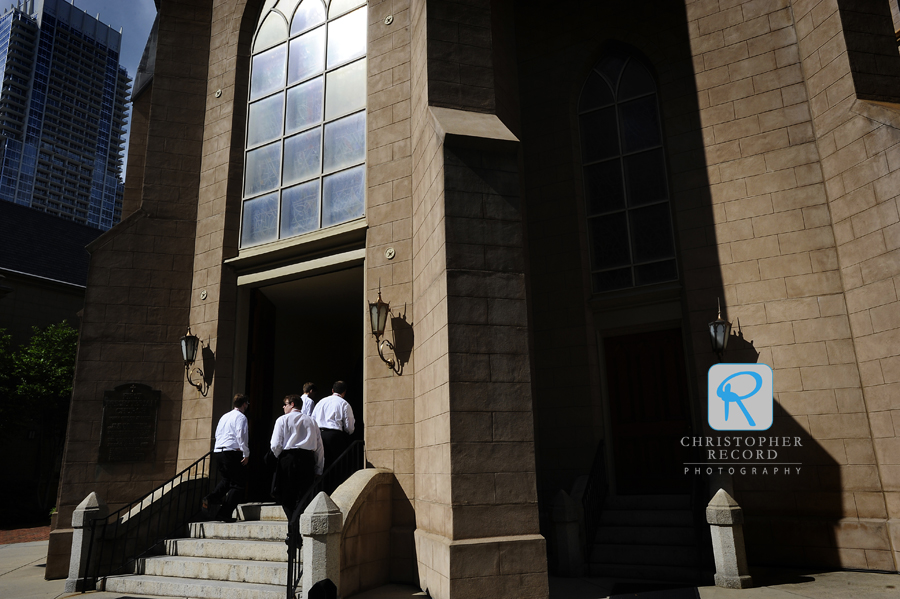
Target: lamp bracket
(392,364)
(202,386)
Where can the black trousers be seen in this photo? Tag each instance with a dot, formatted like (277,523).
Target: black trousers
(232,479)
(296,472)
(335,443)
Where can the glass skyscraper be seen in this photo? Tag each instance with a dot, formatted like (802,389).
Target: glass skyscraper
(62,112)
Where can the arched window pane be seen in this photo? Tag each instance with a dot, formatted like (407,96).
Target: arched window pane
(269,5)
(343,196)
(603,187)
(655,272)
(345,142)
(302,156)
(610,66)
(636,81)
(610,235)
(347,37)
(260,220)
(273,31)
(645,174)
(304,105)
(640,124)
(308,15)
(596,93)
(339,7)
(287,7)
(346,89)
(263,169)
(307,55)
(268,72)
(264,123)
(651,233)
(599,135)
(300,209)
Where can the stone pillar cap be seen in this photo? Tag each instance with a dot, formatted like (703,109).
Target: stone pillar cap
(723,510)
(90,508)
(322,516)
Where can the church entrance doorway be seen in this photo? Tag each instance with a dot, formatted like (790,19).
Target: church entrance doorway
(649,410)
(309,329)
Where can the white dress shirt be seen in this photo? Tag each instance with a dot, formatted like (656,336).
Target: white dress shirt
(296,430)
(335,413)
(231,433)
(307,405)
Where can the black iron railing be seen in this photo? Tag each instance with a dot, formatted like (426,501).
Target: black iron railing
(353,459)
(594,495)
(134,531)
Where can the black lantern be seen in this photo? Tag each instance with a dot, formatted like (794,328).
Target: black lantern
(719,331)
(189,346)
(378,313)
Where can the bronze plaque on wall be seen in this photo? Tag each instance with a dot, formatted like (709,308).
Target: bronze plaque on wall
(128,426)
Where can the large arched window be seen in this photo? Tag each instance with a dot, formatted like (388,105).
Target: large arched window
(305,154)
(624,168)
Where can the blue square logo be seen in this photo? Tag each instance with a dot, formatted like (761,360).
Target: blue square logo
(740,397)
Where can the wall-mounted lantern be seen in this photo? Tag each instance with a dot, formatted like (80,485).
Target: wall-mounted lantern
(378,313)
(189,346)
(719,331)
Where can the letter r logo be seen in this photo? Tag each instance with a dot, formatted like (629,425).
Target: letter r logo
(740,397)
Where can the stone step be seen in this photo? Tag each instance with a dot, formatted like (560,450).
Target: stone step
(672,518)
(204,568)
(646,535)
(195,589)
(645,555)
(270,551)
(646,572)
(261,511)
(647,502)
(258,530)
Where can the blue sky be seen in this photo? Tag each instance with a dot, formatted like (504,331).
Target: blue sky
(135,17)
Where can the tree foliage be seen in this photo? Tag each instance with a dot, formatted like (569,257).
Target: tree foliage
(36,379)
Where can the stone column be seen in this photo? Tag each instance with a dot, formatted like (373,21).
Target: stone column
(726,527)
(92,508)
(321,526)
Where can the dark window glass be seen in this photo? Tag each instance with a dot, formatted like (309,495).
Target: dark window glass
(645,175)
(596,93)
(636,81)
(610,280)
(651,232)
(603,187)
(640,124)
(655,272)
(610,234)
(599,135)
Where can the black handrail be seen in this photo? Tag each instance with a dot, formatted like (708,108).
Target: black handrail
(594,495)
(135,530)
(350,461)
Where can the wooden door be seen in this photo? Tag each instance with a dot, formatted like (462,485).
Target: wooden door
(260,379)
(650,413)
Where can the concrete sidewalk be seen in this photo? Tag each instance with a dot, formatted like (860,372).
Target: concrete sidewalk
(22,577)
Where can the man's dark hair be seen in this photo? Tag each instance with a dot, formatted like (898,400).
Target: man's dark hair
(294,399)
(307,387)
(240,399)
(339,387)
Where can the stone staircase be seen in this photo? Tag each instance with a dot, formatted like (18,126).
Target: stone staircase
(648,537)
(246,559)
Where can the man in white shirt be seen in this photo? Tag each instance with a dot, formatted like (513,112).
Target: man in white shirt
(297,444)
(309,396)
(335,419)
(231,453)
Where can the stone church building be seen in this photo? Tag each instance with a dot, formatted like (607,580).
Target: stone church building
(553,202)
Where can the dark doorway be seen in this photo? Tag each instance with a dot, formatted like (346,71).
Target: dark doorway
(313,331)
(650,413)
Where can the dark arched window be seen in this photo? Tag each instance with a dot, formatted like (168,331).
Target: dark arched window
(624,168)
